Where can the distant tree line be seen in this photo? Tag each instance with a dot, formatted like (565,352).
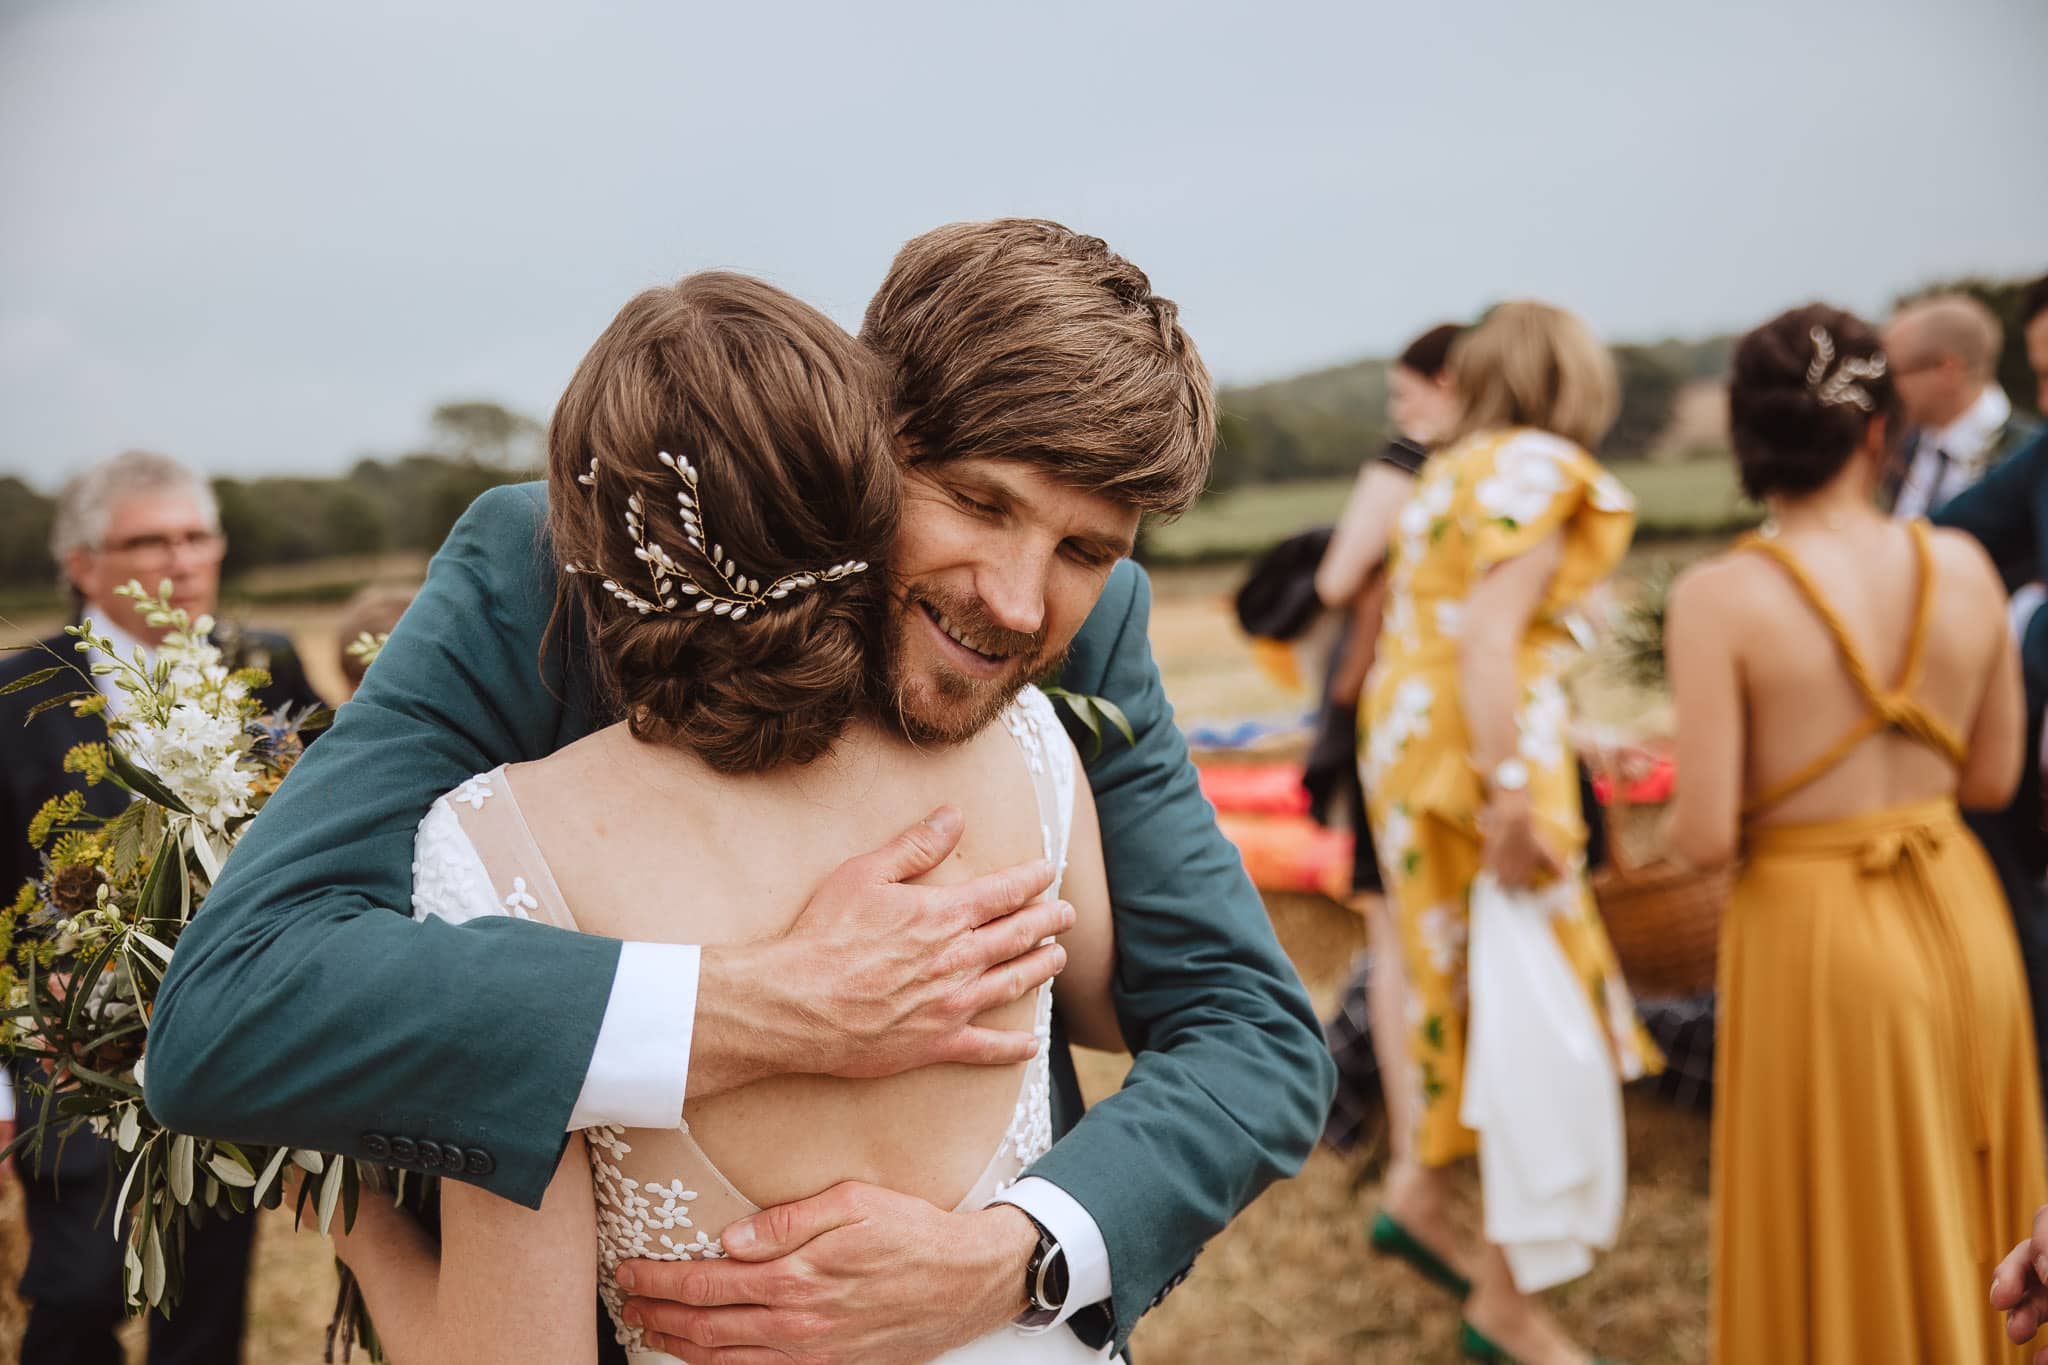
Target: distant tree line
(403,502)
(1324,425)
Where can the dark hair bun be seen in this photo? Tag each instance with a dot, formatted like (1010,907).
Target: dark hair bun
(1792,434)
(721,417)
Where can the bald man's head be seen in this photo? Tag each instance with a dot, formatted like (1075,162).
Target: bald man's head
(1943,351)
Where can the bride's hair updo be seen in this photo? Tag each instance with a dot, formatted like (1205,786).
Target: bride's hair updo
(773,424)
(1804,390)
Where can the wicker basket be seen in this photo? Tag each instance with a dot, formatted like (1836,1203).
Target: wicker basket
(1664,920)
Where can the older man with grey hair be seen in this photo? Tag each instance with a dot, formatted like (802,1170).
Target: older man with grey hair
(1944,351)
(136,516)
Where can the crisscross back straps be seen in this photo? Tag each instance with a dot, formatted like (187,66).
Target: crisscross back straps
(1895,709)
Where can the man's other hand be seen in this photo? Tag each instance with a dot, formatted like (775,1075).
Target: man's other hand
(858,1273)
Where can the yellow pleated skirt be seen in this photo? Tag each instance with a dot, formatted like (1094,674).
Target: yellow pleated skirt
(1877,1119)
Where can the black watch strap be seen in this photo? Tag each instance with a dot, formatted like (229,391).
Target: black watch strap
(1045,1280)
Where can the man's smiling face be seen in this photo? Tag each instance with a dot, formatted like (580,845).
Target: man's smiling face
(995,567)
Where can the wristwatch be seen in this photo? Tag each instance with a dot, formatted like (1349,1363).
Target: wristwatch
(1509,775)
(1045,1280)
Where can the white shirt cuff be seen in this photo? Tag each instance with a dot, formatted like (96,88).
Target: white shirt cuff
(640,1068)
(1073,1227)
(6,1096)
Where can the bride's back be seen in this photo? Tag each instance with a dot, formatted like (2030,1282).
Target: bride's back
(648,842)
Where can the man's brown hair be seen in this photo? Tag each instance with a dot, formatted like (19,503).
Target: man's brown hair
(1019,339)
(783,417)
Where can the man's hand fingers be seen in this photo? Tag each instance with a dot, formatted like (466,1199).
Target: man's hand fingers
(999,893)
(2009,1281)
(774,1233)
(714,1355)
(1017,978)
(2021,1324)
(730,1329)
(701,1284)
(919,849)
(1013,936)
(990,1047)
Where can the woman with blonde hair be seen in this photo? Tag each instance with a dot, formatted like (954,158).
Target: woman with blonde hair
(1844,683)
(1468,764)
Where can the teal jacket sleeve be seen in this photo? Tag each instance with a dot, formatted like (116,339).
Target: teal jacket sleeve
(1231,1078)
(304,1005)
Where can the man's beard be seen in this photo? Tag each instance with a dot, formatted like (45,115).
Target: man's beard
(939,706)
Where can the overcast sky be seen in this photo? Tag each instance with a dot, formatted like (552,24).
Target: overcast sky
(268,237)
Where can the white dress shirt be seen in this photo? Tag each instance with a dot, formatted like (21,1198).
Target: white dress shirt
(1967,443)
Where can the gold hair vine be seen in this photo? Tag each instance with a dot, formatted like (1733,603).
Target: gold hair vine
(672,582)
(1840,387)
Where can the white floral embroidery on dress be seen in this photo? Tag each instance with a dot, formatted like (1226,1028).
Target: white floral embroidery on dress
(475,791)
(632,1226)
(520,901)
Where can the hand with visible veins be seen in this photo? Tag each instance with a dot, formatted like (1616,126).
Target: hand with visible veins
(878,975)
(856,1274)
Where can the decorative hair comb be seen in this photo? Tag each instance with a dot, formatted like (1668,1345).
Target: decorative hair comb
(1841,386)
(672,582)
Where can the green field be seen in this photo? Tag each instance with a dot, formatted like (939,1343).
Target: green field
(1688,498)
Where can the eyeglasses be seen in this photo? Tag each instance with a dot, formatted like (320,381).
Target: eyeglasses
(202,547)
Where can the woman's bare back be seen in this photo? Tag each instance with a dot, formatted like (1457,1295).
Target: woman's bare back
(1798,691)
(647,843)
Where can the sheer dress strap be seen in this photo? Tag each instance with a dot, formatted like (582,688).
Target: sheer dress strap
(491,819)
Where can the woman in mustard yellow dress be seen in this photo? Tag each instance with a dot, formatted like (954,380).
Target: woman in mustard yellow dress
(1466,755)
(1843,682)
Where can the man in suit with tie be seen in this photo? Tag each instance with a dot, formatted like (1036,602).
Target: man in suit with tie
(1944,361)
(136,516)
(2007,510)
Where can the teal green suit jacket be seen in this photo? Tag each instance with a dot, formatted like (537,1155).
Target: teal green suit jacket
(306,1006)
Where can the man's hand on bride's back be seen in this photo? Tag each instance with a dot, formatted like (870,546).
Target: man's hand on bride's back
(858,1274)
(878,976)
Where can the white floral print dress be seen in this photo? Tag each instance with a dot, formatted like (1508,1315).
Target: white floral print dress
(1491,497)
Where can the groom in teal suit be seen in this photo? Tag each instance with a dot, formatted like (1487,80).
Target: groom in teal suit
(301,1009)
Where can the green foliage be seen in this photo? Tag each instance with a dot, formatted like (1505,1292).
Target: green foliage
(25,517)
(56,813)
(1326,423)
(1674,500)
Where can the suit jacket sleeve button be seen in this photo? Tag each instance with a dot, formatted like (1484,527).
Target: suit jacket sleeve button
(404,1151)
(430,1154)
(377,1146)
(452,1157)
(479,1162)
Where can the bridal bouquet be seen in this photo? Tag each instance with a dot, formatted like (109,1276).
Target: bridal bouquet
(83,950)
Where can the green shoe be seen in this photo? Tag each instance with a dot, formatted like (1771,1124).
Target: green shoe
(1389,1238)
(1473,1346)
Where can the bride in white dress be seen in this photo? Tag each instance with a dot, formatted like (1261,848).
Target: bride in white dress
(724,491)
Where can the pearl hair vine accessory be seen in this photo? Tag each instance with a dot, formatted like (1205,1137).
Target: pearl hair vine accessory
(735,593)
(1841,386)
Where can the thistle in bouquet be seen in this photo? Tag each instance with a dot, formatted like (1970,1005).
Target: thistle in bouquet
(83,949)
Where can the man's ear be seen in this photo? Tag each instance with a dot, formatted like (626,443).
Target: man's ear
(78,571)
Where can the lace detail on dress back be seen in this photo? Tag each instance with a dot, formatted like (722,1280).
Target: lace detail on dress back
(659,1196)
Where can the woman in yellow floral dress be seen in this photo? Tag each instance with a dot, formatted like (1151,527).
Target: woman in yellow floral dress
(1466,755)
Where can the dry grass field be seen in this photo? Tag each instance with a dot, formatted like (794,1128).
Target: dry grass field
(1291,1282)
